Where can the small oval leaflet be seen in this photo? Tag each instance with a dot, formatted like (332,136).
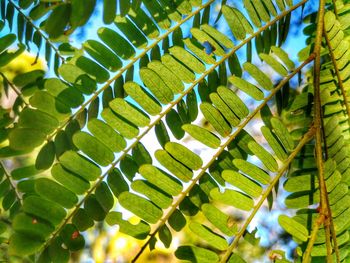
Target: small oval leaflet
(293,227)
(202,135)
(140,207)
(183,155)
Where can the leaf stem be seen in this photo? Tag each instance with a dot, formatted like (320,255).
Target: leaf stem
(171,105)
(129,65)
(219,151)
(306,138)
(12,184)
(319,221)
(324,209)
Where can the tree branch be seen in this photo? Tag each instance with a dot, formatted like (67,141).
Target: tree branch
(306,138)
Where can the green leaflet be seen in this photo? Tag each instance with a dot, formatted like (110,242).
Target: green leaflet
(183,155)
(283,56)
(264,156)
(104,196)
(158,13)
(217,35)
(93,69)
(23,223)
(202,135)
(252,170)
(273,63)
(139,231)
(216,119)
(233,102)
(197,49)
(94,209)
(82,220)
(57,21)
(6,41)
(161,133)
(140,207)
(204,233)
(294,228)
(151,191)
(44,209)
(46,156)
(170,79)
(165,236)
(143,22)
(224,109)
(93,148)
(304,182)
(126,129)
(71,238)
(104,133)
(66,95)
(141,155)
(109,11)
(203,37)
(186,58)
(163,180)
(71,181)
(247,87)
(238,24)
(143,98)
(177,220)
(263,80)
(178,68)
(117,182)
(174,122)
(23,245)
(102,55)
(129,167)
(253,14)
(242,182)
(219,219)
(116,43)
(55,192)
(26,78)
(80,165)
(282,133)
(274,143)
(133,34)
(233,198)
(37,119)
(80,14)
(26,138)
(129,112)
(175,167)
(196,254)
(157,86)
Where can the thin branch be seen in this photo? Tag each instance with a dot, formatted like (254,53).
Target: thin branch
(171,105)
(29,20)
(129,65)
(14,88)
(306,138)
(317,124)
(12,184)
(335,9)
(319,221)
(219,151)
